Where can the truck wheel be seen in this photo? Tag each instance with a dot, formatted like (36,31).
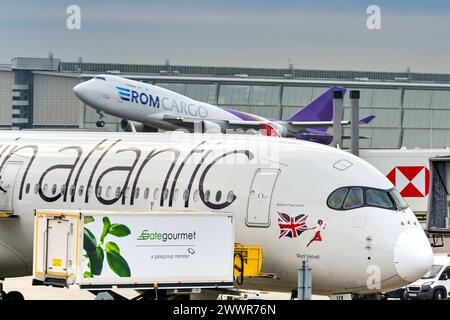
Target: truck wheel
(100,123)
(14,296)
(438,295)
(2,295)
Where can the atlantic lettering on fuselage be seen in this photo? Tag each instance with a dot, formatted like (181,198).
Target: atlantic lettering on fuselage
(103,148)
(155,101)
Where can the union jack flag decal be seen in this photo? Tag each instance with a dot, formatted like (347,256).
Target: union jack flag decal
(291,227)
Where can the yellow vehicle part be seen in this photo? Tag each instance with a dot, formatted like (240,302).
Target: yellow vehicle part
(5,214)
(247,260)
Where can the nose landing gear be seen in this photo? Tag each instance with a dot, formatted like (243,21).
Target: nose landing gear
(100,123)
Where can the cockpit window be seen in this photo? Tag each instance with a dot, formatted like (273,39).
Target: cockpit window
(354,199)
(100,78)
(379,198)
(398,199)
(337,198)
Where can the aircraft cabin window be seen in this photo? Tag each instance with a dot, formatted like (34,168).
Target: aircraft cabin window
(146,193)
(230,196)
(108,192)
(99,191)
(218,196)
(136,193)
(166,194)
(45,188)
(196,195)
(378,198)
(36,188)
(156,194)
(63,189)
(354,199)
(27,188)
(54,189)
(207,195)
(175,194)
(185,195)
(72,190)
(118,192)
(81,190)
(337,198)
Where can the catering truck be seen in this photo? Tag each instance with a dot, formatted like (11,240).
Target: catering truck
(102,250)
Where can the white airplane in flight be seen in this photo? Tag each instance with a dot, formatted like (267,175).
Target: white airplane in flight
(294,198)
(145,107)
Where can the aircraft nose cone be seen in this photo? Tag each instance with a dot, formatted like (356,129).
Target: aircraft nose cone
(412,254)
(78,90)
(86,92)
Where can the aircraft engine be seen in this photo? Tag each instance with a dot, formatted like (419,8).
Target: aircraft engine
(126,125)
(210,127)
(280,129)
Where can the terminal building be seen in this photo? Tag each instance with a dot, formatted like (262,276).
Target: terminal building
(411,109)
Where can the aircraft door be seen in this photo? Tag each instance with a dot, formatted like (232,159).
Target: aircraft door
(8,178)
(258,210)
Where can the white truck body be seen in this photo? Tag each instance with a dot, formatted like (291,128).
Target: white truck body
(159,249)
(435,284)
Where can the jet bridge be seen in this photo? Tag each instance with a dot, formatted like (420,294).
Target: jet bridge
(439,200)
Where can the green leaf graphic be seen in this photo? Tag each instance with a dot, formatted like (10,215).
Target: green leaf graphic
(88,219)
(112,247)
(106,226)
(96,261)
(89,241)
(119,230)
(118,264)
(87,274)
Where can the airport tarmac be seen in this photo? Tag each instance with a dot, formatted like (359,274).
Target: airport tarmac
(23,284)
(30,292)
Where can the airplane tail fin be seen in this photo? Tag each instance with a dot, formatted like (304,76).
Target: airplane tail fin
(320,109)
(367,120)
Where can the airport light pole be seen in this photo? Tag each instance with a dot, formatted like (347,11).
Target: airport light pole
(337,118)
(354,102)
(304,281)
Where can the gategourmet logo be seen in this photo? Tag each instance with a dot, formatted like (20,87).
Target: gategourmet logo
(166,236)
(134,96)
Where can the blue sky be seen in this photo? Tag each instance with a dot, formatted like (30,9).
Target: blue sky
(326,35)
